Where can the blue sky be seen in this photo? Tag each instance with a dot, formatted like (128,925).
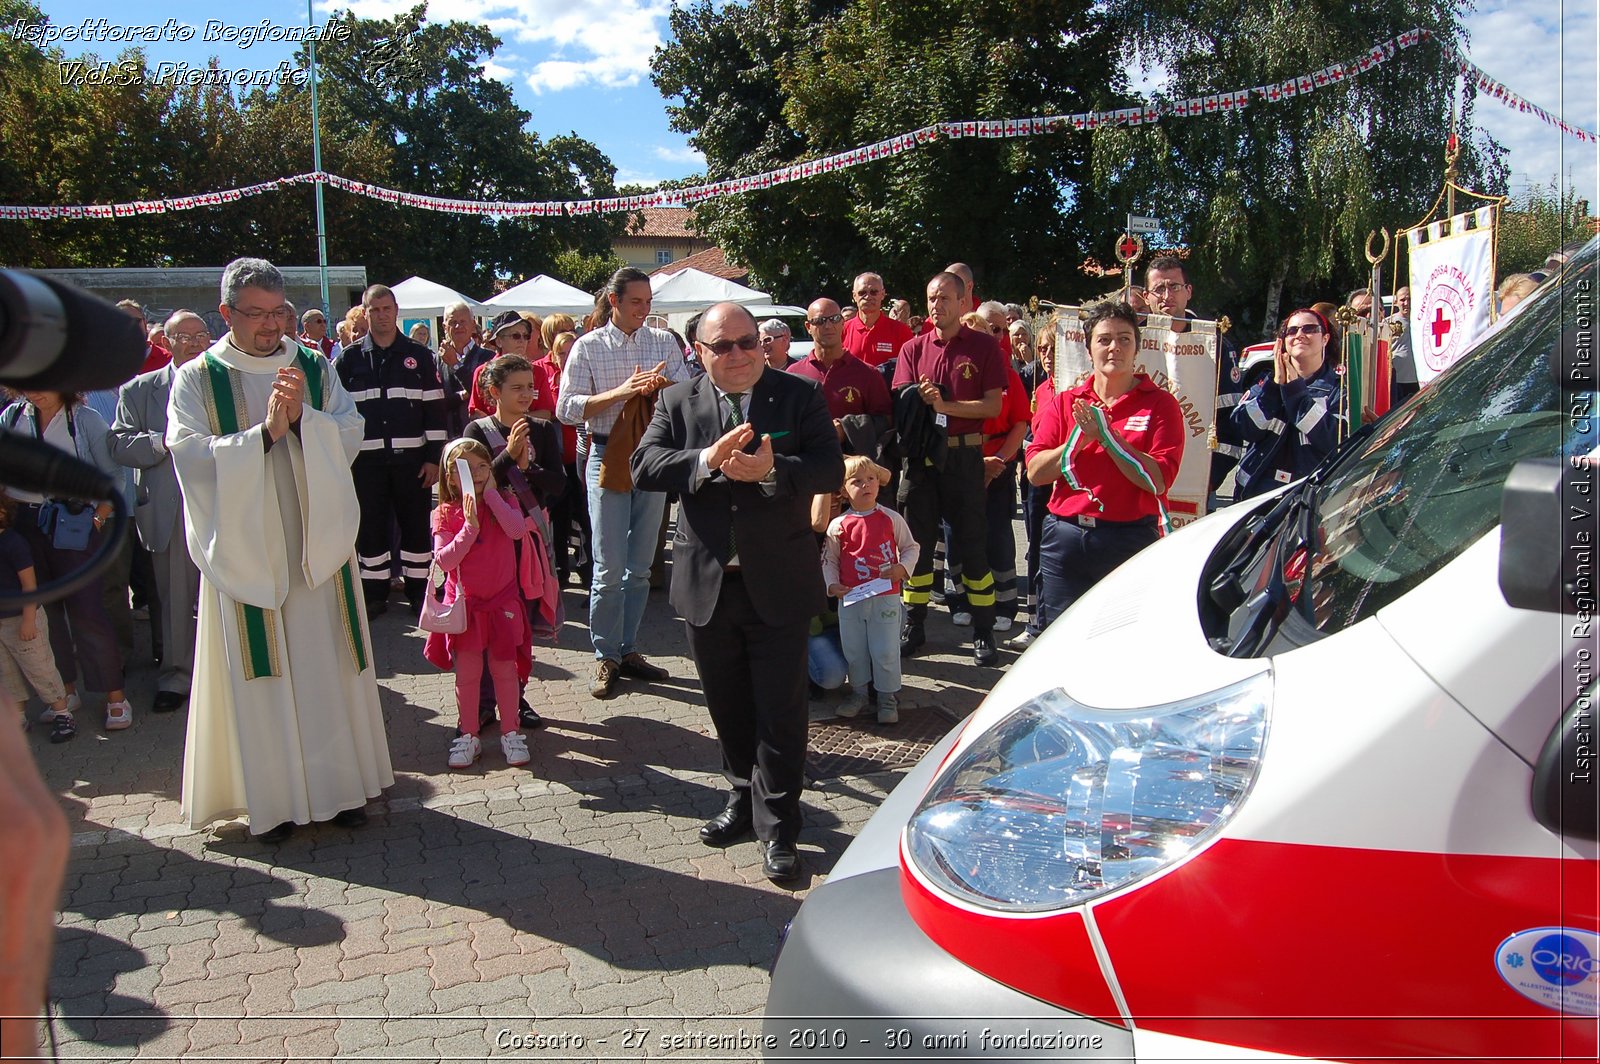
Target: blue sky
(583,66)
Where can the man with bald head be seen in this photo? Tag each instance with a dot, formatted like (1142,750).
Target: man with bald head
(873,336)
(961,375)
(746,447)
(857,397)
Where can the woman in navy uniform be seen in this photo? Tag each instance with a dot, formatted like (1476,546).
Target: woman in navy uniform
(1290,423)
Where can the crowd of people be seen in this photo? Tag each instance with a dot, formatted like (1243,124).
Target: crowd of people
(286,484)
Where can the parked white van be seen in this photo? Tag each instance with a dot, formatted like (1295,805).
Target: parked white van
(1247,800)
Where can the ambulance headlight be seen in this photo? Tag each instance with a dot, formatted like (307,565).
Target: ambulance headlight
(1059,802)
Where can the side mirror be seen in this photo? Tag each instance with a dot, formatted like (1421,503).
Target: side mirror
(1566,788)
(1536,532)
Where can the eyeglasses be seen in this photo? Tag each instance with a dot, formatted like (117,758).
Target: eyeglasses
(190,338)
(255,317)
(826,319)
(1167,288)
(743,343)
(1310,330)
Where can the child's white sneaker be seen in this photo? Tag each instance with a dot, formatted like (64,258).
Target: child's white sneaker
(851,706)
(465,751)
(515,747)
(888,708)
(119,715)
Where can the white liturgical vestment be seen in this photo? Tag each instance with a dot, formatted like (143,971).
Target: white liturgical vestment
(284,718)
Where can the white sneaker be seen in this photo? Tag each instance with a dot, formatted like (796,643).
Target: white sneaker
(119,715)
(1021,640)
(963,619)
(465,751)
(1002,624)
(74,703)
(515,747)
(851,706)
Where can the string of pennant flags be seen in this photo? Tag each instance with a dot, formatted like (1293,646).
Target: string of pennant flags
(1155,111)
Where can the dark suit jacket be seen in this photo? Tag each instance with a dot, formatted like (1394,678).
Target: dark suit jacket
(777,549)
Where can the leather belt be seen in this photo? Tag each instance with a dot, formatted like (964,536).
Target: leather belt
(599,437)
(971,439)
(1090,521)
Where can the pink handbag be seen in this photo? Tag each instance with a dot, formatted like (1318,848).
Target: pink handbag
(438,615)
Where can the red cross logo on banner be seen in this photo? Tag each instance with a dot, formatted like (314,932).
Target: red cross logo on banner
(1441,325)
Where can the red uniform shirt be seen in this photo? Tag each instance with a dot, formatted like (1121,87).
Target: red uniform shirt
(1147,417)
(155,356)
(849,386)
(876,345)
(967,367)
(1014,410)
(548,394)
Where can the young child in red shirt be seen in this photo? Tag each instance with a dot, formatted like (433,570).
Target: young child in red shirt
(864,544)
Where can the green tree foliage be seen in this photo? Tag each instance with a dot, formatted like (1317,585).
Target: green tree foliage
(1537,223)
(1276,200)
(402,103)
(771,82)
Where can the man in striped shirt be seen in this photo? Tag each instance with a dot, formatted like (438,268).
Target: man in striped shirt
(398,390)
(607,367)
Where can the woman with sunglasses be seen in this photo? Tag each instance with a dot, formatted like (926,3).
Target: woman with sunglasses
(1290,423)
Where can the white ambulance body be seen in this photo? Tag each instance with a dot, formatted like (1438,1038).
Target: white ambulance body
(1226,808)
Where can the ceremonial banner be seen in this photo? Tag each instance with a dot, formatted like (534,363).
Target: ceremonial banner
(1452,289)
(1185,364)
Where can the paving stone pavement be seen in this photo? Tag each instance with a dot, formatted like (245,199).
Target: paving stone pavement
(496,911)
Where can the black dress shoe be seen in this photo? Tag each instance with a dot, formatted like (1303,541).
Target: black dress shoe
(376,608)
(779,860)
(983,651)
(350,818)
(277,834)
(730,825)
(527,716)
(167,701)
(912,638)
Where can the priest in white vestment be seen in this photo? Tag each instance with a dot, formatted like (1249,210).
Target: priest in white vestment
(284,722)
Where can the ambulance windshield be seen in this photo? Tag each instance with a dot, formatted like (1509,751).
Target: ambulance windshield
(1427,483)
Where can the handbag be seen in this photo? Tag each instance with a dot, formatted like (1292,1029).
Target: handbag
(438,615)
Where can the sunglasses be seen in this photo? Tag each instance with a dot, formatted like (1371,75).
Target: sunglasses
(826,319)
(513,334)
(1310,330)
(722,347)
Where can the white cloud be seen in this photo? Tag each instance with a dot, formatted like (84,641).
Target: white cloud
(629,176)
(494,69)
(607,43)
(1549,58)
(685,154)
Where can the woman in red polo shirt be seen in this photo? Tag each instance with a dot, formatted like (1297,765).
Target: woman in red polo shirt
(1109,448)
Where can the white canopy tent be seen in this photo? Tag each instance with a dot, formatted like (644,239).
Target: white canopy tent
(542,295)
(421,298)
(690,290)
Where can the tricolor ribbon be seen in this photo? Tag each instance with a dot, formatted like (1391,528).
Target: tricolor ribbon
(1114,446)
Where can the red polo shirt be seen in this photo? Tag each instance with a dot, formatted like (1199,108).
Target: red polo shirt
(1014,410)
(876,345)
(967,367)
(1147,417)
(849,386)
(155,356)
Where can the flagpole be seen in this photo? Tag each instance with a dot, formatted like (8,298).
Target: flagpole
(316,165)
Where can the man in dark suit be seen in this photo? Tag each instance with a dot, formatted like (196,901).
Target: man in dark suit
(746,447)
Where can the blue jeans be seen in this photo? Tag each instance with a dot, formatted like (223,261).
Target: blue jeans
(624,526)
(825,663)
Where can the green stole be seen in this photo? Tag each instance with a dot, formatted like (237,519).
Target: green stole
(258,628)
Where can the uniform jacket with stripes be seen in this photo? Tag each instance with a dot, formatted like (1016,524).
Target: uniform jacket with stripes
(1230,392)
(1291,428)
(402,397)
